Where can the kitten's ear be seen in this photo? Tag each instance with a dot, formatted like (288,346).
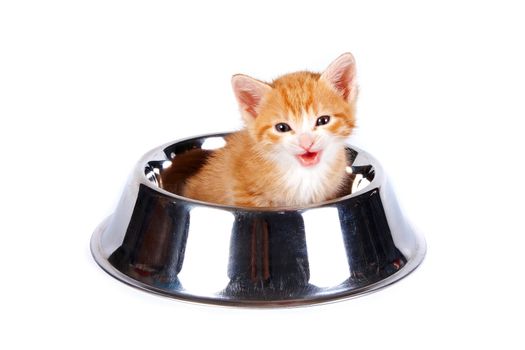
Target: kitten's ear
(340,75)
(249,93)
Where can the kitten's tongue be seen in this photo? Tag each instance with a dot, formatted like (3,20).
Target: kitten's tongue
(309,158)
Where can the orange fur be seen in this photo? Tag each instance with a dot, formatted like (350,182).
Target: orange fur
(258,167)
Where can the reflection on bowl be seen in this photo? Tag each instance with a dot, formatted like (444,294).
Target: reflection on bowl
(164,243)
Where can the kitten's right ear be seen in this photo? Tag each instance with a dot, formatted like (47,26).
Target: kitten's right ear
(249,93)
(340,75)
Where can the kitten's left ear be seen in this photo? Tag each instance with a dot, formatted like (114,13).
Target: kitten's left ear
(340,75)
(249,93)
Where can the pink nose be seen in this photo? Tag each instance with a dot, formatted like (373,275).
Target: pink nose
(306,141)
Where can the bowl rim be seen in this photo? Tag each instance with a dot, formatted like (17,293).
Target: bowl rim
(377,181)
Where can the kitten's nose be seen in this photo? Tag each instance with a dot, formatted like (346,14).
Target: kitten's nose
(306,141)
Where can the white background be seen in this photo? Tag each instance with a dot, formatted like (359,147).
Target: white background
(87,87)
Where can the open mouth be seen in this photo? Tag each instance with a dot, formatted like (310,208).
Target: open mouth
(309,158)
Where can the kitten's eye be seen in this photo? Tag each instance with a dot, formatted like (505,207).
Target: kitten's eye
(282,127)
(323,120)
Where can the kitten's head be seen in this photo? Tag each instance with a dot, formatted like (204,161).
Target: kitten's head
(301,118)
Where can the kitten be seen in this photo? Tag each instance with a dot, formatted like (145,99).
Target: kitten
(291,151)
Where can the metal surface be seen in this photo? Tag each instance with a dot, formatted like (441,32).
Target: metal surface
(164,243)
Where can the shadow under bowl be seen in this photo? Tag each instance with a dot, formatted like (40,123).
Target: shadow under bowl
(162,242)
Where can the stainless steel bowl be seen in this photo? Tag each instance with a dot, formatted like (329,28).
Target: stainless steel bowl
(164,243)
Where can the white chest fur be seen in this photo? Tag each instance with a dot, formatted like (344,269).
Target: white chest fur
(299,185)
(306,185)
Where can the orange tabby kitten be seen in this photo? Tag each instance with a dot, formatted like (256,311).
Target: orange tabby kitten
(291,152)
